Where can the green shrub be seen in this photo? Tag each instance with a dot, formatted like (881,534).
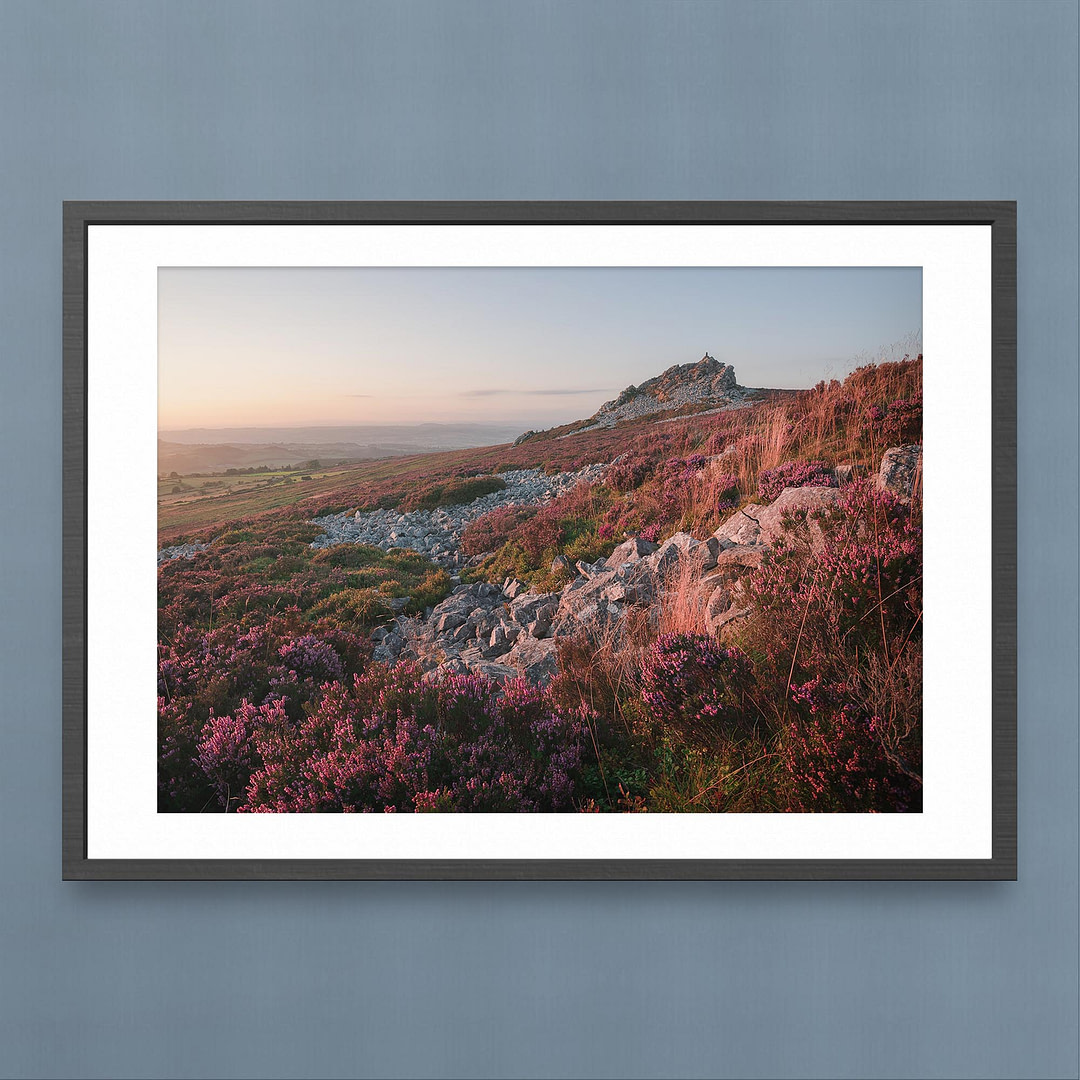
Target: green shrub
(355,607)
(235,536)
(451,492)
(434,586)
(588,547)
(350,556)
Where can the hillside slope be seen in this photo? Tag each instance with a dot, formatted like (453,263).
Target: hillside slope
(711,612)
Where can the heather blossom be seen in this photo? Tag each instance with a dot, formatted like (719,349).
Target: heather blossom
(391,741)
(697,686)
(794,474)
(836,756)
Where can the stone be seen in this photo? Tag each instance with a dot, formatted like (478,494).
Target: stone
(901,470)
(762,525)
(590,619)
(504,635)
(846,473)
(512,588)
(742,527)
(588,613)
(471,654)
(498,673)
(592,586)
(645,582)
(559,563)
(706,382)
(536,660)
(667,559)
(451,620)
(631,551)
(704,555)
(732,615)
(498,642)
(739,556)
(681,540)
(719,601)
(523,608)
(618,590)
(454,666)
(389,648)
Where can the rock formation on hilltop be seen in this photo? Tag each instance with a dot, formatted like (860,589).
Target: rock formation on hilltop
(708,382)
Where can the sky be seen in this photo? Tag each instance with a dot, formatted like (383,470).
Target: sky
(529,345)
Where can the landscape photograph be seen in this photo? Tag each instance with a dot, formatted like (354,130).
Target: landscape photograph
(540,539)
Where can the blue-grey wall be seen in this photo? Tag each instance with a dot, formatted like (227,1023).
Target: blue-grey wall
(314,100)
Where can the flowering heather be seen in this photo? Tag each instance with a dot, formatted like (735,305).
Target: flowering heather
(696,686)
(651,533)
(840,639)
(181,786)
(450,492)
(226,753)
(391,741)
(629,473)
(723,491)
(684,468)
(865,582)
(217,677)
(490,532)
(794,474)
(836,754)
(311,658)
(568,524)
(898,422)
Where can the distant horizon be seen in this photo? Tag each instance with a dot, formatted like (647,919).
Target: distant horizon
(529,347)
(301,424)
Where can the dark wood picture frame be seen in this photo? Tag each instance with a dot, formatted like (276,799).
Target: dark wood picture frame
(1000,216)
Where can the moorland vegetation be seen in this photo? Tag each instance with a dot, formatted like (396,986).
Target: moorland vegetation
(274,694)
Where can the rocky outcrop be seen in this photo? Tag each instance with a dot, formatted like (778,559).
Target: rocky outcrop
(511,630)
(480,627)
(708,382)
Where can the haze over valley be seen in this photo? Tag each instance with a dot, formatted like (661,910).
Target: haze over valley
(214,450)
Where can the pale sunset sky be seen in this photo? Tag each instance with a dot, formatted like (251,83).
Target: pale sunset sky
(536,346)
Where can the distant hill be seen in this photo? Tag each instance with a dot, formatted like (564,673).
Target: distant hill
(217,449)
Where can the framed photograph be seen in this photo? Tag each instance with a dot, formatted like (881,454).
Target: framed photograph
(539,540)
